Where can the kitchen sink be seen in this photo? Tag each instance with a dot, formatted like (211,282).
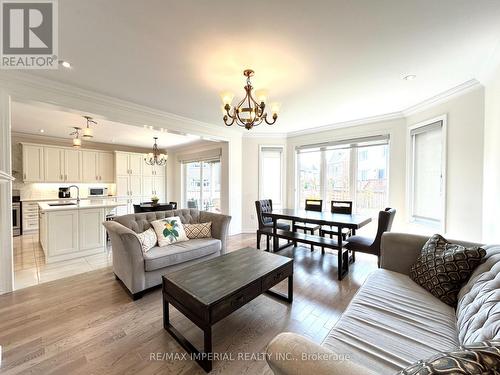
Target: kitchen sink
(62,204)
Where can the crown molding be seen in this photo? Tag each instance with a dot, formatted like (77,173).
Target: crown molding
(28,87)
(264,135)
(346,124)
(443,97)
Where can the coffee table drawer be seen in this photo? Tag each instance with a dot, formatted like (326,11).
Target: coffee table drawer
(276,276)
(235,301)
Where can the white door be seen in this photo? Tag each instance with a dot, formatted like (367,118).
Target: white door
(72,165)
(92,232)
(122,188)
(121,160)
(159,187)
(54,164)
(89,166)
(135,185)
(135,163)
(147,187)
(63,232)
(33,164)
(106,167)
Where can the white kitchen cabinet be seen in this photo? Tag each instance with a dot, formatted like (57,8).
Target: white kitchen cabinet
(106,167)
(72,165)
(148,187)
(33,163)
(89,166)
(62,165)
(153,182)
(97,166)
(129,163)
(159,188)
(90,229)
(121,163)
(62,236)
(30,216)
(54,164)
(122,187)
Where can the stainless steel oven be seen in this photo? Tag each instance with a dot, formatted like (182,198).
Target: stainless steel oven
(16,218)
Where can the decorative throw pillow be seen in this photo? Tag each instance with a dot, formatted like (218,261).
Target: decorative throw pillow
(442,267)
(201,230)
(479,358)
(169,230)
(147,239)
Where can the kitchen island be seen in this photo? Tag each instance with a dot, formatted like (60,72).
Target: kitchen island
(71,229)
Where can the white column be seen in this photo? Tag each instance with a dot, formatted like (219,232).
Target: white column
(6,255)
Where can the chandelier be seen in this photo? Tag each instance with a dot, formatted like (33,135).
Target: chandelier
(77,141)
(249,112)
(155,157)
(88,132)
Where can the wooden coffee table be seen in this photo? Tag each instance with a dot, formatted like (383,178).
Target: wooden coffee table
(209,291)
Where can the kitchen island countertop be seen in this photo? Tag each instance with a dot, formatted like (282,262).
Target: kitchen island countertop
(84,204)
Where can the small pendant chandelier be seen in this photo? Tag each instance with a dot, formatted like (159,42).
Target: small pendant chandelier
(155,157)
(249,112)
(88,132)
(77,141)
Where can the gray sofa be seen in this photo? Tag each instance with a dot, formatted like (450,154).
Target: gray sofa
(392,322)
(139,271)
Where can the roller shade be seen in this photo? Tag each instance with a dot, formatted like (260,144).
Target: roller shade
(346,143)
(206,155)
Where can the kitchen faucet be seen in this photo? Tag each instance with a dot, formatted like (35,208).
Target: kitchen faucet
(77,193)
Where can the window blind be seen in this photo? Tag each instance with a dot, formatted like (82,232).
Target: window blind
(206,155)
(346,143)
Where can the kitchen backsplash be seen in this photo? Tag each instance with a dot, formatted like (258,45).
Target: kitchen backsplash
(30,191)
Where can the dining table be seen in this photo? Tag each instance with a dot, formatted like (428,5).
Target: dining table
(353,222)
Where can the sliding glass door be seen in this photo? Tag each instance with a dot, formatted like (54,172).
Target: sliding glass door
(202,185)
(353,171)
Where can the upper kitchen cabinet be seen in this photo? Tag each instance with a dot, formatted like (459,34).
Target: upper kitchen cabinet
(62,165)
(128,163)
(98,166)
(33,163)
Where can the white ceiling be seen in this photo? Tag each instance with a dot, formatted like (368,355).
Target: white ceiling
(30,118)
(325,61)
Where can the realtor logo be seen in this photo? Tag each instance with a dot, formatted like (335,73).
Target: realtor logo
(29,34)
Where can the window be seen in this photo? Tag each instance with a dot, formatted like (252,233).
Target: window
(202,185)
(426,171)
(271,177)
(353,170)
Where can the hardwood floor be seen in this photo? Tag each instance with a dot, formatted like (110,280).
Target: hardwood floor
(87,324)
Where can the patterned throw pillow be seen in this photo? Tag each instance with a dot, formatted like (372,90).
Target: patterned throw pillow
(480,358)
(201,230)
(147,239)
(442,267)
(169,230)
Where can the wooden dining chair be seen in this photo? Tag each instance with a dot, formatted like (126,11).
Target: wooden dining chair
(370,245)
(337,207)
(266,223)
(311,205)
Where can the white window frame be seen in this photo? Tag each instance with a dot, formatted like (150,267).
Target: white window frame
(353,165)
(410,171)
(283,173)
(184,178)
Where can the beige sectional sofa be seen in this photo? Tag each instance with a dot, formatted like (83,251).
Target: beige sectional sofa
(139,271)
(392,322)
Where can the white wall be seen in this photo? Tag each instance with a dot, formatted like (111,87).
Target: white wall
(250,178)
(397,157)
(465,139)
(491,196)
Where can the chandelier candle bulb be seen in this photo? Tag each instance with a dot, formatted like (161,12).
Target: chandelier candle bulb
(227,98)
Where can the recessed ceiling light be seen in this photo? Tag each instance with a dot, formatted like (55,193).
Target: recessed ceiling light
(42,130)
(410,77)
(65,64)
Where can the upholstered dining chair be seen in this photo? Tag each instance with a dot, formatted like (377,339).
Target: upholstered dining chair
(311,205)
(266,223)
(337,207)
(370,245)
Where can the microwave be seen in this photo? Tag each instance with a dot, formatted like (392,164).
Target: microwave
(98,192)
